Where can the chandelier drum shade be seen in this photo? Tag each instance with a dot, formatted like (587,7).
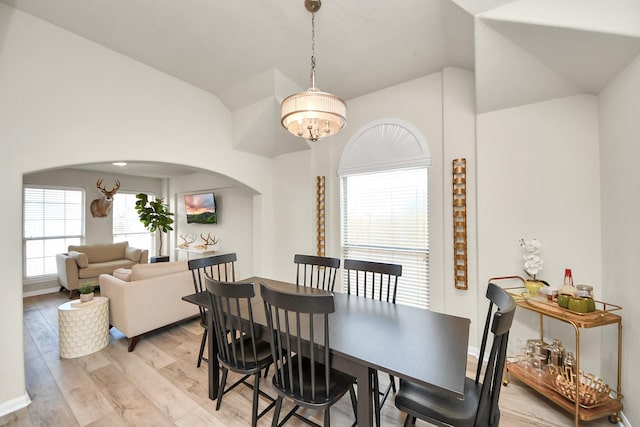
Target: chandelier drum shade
(313,114)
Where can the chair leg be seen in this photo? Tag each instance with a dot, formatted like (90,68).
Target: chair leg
(327,416)
(266,370)
(202,344)
(223,383)
(393,382)
(354,403)
(276,412)
(409,421)
(256,393)
(376,397)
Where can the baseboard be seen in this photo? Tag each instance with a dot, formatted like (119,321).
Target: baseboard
(624,422)
(40,292)
(14,404)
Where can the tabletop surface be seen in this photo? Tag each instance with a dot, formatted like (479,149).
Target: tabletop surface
(411,343)
(77,305)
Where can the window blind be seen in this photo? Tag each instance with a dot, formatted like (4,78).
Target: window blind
(385,219)
(53,220)
(127,225)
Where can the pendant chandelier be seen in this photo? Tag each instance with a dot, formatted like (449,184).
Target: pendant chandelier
(313,114)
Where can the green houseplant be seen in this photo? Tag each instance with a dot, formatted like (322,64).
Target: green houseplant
(154,215)
(86,291)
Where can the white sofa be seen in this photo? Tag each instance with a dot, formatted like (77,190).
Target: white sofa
(148,297)
(86,262)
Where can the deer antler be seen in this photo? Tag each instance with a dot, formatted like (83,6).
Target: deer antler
(104,190)
(208,241)
(187,241)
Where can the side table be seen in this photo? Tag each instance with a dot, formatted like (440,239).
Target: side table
(83,328)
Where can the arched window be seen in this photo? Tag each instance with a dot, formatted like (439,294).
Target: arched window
(384,203)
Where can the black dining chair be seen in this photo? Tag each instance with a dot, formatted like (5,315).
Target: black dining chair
(316,271)
(479,407)
(299,325)
(379,281)
(241,347)
(219,267)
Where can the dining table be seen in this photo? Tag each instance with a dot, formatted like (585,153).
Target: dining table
(410,343)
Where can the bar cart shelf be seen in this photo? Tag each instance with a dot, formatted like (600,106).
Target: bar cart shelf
(603,316)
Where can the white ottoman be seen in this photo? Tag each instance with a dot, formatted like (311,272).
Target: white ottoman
(83,328)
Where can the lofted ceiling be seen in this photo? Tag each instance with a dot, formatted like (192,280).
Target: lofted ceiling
(253,53)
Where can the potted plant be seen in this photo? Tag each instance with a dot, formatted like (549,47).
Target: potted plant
(86,291)
(155,216)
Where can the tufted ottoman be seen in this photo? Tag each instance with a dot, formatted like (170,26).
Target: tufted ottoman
(83,328)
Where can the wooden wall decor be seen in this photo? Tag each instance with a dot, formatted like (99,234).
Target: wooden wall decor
(460,223)
(320,215)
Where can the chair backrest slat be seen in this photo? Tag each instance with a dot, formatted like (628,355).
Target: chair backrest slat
(316,271)
(299,325)
(218,267)
(499,323)
(374,280)
(233,322)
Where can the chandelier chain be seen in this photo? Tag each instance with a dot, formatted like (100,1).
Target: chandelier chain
(313,50)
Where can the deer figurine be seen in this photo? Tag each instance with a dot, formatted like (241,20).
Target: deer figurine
(100,207)
(208,241)
(188,240)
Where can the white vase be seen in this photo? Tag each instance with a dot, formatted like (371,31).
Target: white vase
(86,297)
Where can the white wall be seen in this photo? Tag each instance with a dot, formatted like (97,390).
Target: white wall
(619,129)
(68,101)
(459,129)
(234,208)
(539,176)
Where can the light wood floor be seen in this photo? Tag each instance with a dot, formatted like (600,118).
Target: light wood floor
(159,385)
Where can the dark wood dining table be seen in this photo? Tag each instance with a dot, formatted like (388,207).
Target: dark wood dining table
(410,343)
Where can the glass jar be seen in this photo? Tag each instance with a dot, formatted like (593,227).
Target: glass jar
(563,300)
(579,305)
(583,301)
(585,291)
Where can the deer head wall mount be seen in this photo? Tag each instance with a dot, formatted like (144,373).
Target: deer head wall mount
(100,207)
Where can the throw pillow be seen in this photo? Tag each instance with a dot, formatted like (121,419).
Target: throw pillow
(123,274)
(81,258)
(133,254)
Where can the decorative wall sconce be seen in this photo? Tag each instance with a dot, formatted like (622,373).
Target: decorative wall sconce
(460,223)
(320,213)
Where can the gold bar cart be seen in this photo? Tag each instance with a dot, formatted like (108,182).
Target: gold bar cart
(610,407)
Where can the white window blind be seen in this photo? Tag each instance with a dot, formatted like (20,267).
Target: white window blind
(127,225)
(53,220)
(385,219)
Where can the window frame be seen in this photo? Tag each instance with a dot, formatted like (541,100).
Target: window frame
(413,256)
(82,211)
(152,239)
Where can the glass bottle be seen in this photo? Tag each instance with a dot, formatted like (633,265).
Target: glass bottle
(567,290)
(568,278)
(556,353)
(570,363)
